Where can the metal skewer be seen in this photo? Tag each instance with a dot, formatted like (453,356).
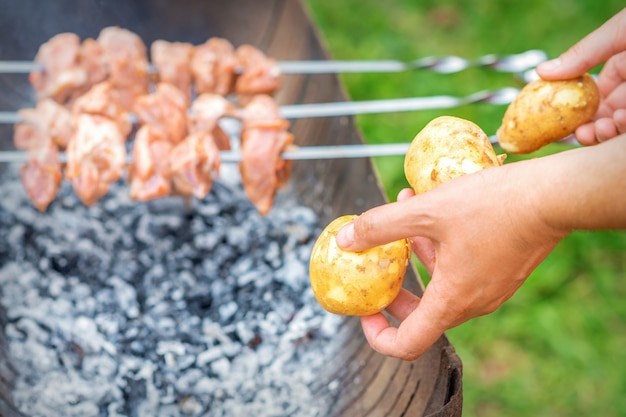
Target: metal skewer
(514,63)
(294,154)
(350,108)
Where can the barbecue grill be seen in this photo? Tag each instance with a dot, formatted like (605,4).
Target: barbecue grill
(356,381)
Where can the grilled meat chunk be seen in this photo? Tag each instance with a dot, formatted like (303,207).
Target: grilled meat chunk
(173,63)
(213,67)
(193,163)
(60,73)
(48,120)
(41,175)
(259,74)
(102,99)
(127,59)
(264,137)
(165,110)
(96,156)
(149,173)
(205,114)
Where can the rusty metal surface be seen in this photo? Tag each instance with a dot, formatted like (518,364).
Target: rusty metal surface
(367,384)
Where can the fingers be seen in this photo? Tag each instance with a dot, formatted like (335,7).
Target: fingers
(405,303)
(605,129)
(586,134)
(591,51)
(620,120)
(602,129)
(405,194)
(410,340)
(422,247)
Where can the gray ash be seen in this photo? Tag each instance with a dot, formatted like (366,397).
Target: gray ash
(160,309)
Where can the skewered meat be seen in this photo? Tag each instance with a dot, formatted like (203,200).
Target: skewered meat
(96,156)
(88,90)
(127,59)
(193,162)
(61,72)
(41,175)
(259,74)
(148,174)
(173,63)
(213,67)
(206,111)
(49,120)
(165,110)
(39,135)
(103,100)
(264,137)
(93,61)
(68,68)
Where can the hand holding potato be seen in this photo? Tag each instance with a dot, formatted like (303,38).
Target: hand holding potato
(480,235)
(365,282)
(356,283)
(546,111)
(604,45)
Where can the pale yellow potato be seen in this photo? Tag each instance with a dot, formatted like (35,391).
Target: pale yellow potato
(356,283)
(547,111)
(444,149)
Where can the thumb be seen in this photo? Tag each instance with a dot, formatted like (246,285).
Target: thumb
(592,50)
(385,224)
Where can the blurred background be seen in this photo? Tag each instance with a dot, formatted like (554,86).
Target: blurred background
(558,347)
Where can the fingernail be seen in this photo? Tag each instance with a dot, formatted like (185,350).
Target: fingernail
(550,65)
(345,236)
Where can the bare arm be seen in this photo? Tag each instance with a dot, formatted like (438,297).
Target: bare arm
(482,235)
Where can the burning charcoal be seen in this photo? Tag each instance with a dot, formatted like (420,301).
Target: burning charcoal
(209,355)
(205,386)
(126,297)
(86,335)
(227,310)
(31,329)
(170,346)
(161,308)
(207,241)
(190,406)
(221,368)
(166,326)
(244,333)
(187,380)
(293,273)
(99,367)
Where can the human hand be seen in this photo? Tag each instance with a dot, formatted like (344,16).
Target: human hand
(478,236)
(605,44)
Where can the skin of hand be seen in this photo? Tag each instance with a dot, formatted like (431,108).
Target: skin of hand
(481,235)
(605,44)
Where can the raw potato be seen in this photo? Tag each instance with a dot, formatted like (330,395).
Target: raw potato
(356,283)
(546,111)
(446,148)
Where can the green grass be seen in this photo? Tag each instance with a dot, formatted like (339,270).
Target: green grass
(557,348)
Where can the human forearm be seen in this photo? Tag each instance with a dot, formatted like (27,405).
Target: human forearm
(583,188)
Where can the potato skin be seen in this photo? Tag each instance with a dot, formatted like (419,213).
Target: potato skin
(446,148)
(547,111)
(356,283)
